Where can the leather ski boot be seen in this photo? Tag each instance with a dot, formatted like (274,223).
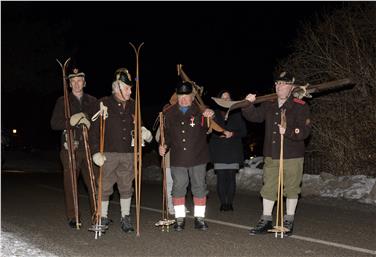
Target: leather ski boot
(262,226)
(288,222)
(200,223)
(126,225)
(179,224)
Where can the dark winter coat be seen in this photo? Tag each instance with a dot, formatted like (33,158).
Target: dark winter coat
(118,126)
(298,126)
(185,136)
(228,150)
(88,105)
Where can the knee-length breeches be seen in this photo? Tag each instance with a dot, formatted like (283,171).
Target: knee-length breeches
(181,177)
(293,174)
(118,168)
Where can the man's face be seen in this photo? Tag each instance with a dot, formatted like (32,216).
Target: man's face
(77,84)
(185,100)
(283,90)
(126,92)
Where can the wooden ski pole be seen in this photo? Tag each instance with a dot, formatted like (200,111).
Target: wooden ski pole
(89,162)
(98,228)
(165,222)
(278,228)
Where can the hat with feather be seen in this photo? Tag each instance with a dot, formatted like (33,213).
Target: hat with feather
(123,75)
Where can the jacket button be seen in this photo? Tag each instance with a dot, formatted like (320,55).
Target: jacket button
(275,123)
(183,140)
(276,113)
(124,129)
(273,142)
(119,104)
(121,113)
(184,149)
(182,123)
(183,131)
(123,138)
(123,120)
(274,132)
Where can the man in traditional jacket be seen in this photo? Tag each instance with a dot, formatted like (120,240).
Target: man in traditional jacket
(169,181)
(118,158)
(185,138)
(298,127)
(82,107)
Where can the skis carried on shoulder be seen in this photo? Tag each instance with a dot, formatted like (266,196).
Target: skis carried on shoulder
(299,92)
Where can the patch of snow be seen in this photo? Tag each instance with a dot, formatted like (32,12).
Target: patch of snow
(349,187)
(359,187)
(14,246)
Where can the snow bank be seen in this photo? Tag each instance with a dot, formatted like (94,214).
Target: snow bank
(359,187)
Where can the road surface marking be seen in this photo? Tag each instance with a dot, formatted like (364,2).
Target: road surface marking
(303,238)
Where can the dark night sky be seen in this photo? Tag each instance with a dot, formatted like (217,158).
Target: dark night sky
(233,45)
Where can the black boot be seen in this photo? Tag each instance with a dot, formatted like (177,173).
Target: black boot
(200,223)
(72,223)
(179,224)
(288,222)
(262,226)
(126,225)
(105,222)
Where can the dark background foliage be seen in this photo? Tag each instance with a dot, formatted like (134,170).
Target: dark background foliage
(336,45)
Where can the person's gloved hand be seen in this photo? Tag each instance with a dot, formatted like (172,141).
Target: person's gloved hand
(99,159)
(146,134)
(78,119)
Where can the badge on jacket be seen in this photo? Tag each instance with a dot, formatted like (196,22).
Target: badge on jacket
(192,124)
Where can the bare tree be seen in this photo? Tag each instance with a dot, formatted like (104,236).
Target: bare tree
(339,45)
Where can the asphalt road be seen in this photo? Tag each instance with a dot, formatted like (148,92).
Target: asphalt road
(33,208)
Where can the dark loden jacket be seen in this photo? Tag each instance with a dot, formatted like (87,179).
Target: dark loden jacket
(118,126)
(88,105)
(298,126)
(185,136)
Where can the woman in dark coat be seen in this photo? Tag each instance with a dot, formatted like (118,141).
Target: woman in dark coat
(226,152)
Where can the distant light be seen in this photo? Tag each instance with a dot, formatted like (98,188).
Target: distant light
(14,131)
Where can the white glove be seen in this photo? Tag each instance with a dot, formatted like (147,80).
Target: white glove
(146,134)
(79,118)
(99,159)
